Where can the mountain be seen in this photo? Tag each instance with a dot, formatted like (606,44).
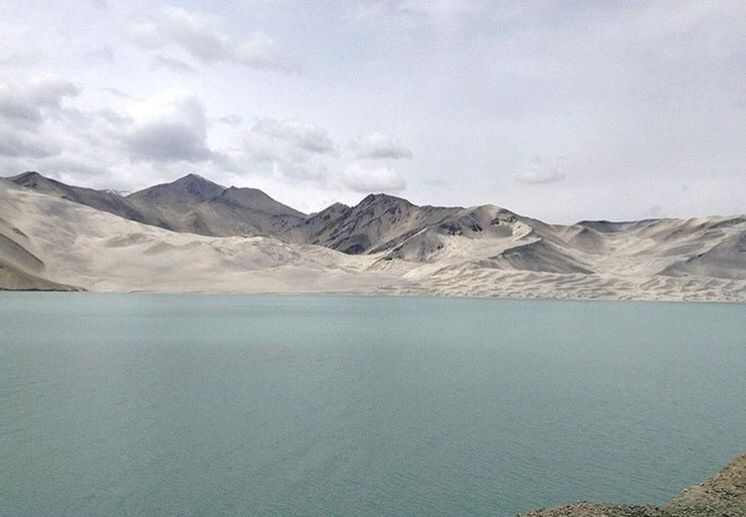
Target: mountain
(197,205)
(189,204)
(51,243)
(189,189)
(477,251)
(99,199)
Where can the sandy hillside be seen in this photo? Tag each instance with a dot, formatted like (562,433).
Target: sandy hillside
(48,242)
(77,245)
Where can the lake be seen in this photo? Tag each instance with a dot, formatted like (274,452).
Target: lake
(325,405)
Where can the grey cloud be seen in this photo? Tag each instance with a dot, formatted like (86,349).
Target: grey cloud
(175,65)
(66,165)
(179,134)
(50,91)
(25,103)
(379,145)
(201,37)
(19,109)
(167,141)
(18,144)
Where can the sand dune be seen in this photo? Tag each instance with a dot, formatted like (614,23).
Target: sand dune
(393,247)
(98,251)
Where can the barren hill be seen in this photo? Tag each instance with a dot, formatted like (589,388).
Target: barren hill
(384,244)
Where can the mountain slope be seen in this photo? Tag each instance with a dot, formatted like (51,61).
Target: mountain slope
(99,199)
(20,269)
(73,244)
(196,205)
(189,204)
(475,251)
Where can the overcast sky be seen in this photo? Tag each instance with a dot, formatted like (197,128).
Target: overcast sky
(558,110)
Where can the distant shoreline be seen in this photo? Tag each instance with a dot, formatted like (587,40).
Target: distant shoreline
(342,294)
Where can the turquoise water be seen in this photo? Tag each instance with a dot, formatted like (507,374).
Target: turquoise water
(271,405)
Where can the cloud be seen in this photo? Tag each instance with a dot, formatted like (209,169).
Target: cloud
(25,109)
(436,182)
(439,16)
(20,57)
(291,149)
(654,212)
(201,37)
(540,170)
(378,145)
(114,118)
(18,144)
(50,91)
(116,92)
(169,128)
(104,54)
(18,108)
(302,135)
(380,179)
(26,103)
(230,120)
(175,65)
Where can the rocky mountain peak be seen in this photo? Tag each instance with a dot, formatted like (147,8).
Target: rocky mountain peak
(189,188)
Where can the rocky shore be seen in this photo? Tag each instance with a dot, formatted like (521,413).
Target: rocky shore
(723,495)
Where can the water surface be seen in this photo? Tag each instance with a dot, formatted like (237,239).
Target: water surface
(276,405)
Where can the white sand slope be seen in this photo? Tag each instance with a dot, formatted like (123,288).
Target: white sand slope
(482,251)
(99,251)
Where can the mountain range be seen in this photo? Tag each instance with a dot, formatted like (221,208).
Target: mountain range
(193,235)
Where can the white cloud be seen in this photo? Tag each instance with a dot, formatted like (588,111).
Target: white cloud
(291,149)
(102,54)
(540,170)
(201,37)
(230,120)
(116,92)
(379,145)
(440,16)
(175,65)
(379,179)
(299,134)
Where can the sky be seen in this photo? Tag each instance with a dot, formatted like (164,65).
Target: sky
(562,111)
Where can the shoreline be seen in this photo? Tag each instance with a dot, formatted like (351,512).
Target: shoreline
(352,294)
(722,495)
